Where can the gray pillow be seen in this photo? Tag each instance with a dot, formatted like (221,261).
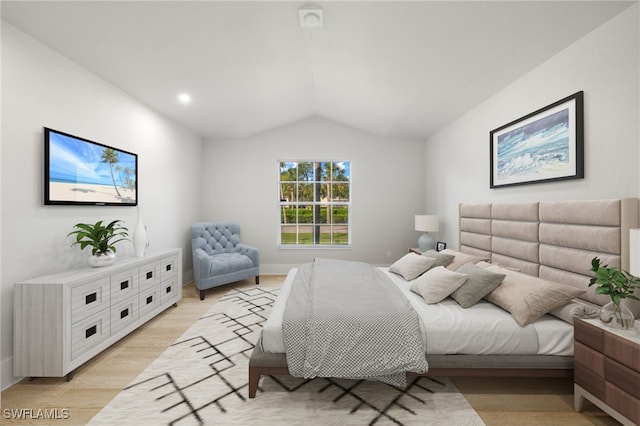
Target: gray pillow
(480,283)
(441,259)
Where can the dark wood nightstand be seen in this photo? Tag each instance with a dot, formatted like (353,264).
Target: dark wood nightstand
(607,369)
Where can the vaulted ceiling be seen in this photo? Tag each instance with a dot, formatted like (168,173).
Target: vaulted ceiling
(396,69)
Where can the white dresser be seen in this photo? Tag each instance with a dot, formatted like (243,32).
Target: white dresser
(63,320)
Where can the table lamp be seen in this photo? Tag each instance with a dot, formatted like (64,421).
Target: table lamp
(425,224)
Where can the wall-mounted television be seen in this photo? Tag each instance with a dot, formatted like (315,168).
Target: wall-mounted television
(78,171)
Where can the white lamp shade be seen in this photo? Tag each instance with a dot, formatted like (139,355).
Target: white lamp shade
(634,252)
(426,223)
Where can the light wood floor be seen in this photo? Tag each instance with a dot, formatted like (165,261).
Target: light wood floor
(497,401)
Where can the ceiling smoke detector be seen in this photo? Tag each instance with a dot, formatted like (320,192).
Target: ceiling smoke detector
(310,16)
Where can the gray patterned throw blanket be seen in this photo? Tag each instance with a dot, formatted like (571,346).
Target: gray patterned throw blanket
(347,319)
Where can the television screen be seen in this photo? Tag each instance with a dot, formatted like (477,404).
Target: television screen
(80,171)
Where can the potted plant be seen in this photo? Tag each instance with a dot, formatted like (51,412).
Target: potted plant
(618,285)
(101,238)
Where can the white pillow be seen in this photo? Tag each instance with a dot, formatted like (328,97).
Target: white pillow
(411,265)
(437,283)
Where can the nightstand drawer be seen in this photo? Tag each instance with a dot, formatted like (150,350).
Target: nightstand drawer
(589,358)
(589,335)
(622,350)
(590,381)
(623,377)
(621,401)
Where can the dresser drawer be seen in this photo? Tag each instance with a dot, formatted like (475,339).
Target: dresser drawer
(124,285)
(123,314)
(89,332)
(89,298)
(168,290)
(168,268)
(149,300)
(149,275)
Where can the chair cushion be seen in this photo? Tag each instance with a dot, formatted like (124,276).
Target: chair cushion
(225,263)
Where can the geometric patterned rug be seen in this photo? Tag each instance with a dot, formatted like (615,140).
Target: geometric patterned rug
(202,379)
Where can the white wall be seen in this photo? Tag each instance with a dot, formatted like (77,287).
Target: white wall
(241,185)
(41,88)
(604,64)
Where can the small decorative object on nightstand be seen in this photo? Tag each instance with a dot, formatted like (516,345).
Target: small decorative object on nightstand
(607,369)
(426,224)
(618,285)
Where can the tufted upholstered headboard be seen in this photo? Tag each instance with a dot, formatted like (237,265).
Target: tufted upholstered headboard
(553,240)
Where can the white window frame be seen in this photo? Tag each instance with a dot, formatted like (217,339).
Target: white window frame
(301,200)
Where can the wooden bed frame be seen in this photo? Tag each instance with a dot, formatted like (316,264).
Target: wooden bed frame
(554,240)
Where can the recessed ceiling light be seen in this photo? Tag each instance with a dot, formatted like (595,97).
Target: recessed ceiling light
(184,98)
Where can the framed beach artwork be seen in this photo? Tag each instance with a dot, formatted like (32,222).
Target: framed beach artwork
(546,145)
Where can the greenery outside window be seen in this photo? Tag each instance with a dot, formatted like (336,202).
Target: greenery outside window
(315,204)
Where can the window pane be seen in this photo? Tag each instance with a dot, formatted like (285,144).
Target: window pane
(325,172)
(325,234)
(305,172)
(287,214)
(306,191)
(340,235)
(340,214)
(341,171)
(288,192)
(305,234)
(321,213)
(288,234)
(305,213)
(288,171)
(340,192)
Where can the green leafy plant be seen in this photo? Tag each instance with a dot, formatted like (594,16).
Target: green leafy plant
(101,238)
(616,284)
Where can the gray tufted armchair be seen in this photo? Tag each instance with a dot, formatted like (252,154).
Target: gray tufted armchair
(219,257)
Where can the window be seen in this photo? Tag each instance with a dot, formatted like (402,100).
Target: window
(315,204)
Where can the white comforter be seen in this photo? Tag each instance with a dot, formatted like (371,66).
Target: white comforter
(483,329)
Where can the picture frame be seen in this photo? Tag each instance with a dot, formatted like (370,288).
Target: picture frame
(543,146)
(440,246)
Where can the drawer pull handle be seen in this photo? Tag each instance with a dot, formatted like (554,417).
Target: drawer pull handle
(124,313)
(168,267)
(149,275)
(90,298)
(124,284)
(168,290)
(149,299)
(90,331)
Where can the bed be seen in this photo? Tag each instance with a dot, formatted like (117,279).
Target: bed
(540,243)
